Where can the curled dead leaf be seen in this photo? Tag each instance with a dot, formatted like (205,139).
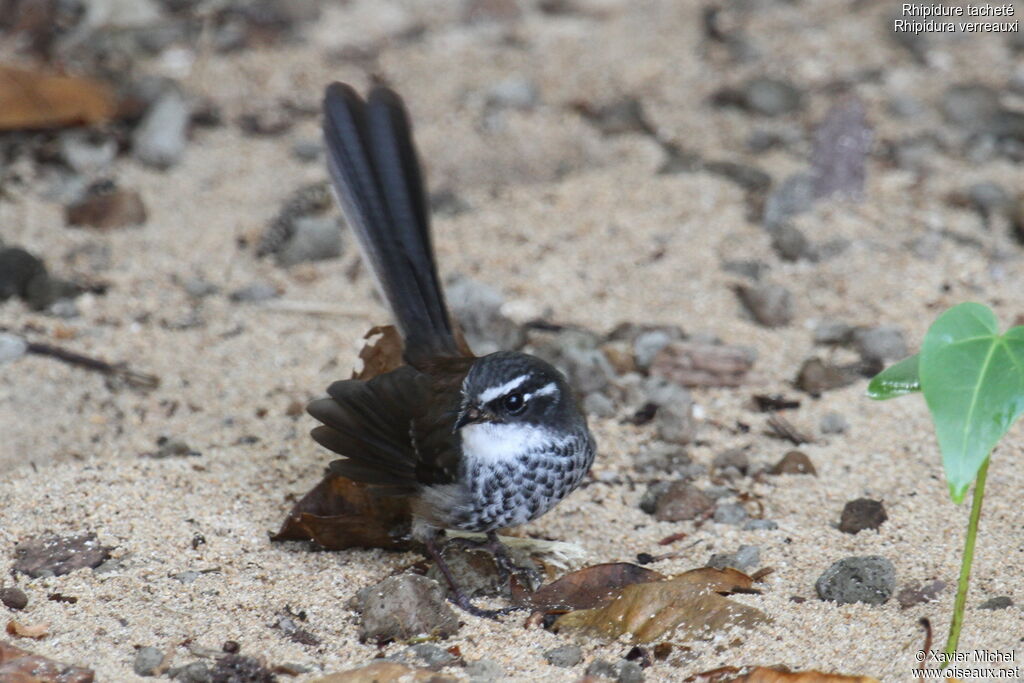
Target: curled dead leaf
(382,354)
(34,99)
(689,605)
(587,588)
(385,672)
(339,513)
(16,628)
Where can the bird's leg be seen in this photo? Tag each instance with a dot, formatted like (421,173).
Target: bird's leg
(507,566)
(457,596)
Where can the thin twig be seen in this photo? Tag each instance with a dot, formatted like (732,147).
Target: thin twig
(133,378)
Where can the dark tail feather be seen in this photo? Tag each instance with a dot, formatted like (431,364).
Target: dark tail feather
(377,179)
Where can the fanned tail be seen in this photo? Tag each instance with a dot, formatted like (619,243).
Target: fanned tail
(377,180)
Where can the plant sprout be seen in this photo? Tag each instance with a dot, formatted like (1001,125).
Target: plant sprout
(972,379)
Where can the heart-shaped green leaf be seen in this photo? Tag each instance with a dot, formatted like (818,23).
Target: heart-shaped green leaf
(897,380)
(973,382)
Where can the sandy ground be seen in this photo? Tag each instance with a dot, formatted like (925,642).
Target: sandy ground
(565,221)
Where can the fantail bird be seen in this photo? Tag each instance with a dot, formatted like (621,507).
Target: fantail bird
(476,443)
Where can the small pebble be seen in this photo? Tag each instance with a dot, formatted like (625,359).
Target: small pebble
(817,376)
(681,501)
(735,458)
(484,671)
(14,598)
(434,656)
(760,525)
(147,659)
(565,656)
(999,602)
(747,557)
(870,579)
(594,403)
(790,243)
(600,668)
(794,462)
(515,92)
(833,423)
(160,138)
(793,196)
(255,292)
(770,305)
(647,345)
(12,347)
(880,344)
(730,513)
(969,105)
(861,514)
(196,672)
(403,607)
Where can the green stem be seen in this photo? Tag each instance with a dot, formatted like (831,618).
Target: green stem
(965,564)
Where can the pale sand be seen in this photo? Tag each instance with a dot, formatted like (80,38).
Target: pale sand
(575,247)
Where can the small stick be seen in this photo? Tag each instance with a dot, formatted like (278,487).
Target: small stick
(136,379)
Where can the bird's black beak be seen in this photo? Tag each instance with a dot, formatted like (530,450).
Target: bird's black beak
(470,416)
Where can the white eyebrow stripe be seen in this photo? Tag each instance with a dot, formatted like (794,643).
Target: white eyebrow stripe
(545,390)
(494,392)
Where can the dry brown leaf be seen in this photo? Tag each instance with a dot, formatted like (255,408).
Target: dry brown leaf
(34,99)
(381,355)
(16,628)
(766,675)
(588,587)
(340,513)
(385,672)
(21,666)
(689,605)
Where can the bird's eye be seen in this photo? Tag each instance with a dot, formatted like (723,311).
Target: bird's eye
(514,403)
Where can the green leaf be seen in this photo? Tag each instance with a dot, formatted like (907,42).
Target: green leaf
(973,382)
(896,380)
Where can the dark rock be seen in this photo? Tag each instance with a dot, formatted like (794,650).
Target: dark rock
(1000,602)
(51,555)
(832,332)
(564,656)
(682,501)
(13,598)
(920,594)
(160,138)
(404,606)
(168,447)
(833,423)
(433,656)
(790,243)
(477,308)
(879,344)
(969,105)
(760,525)
(196,672)
(735,458)
(763,96)
(793,196)
(730,513)
(147,660)
(816,376)
(745,558)
(861,514)
(106,207)
(255,292)
(870,579)
(841,145)
(794,462)
(770,305)
(17,269)
(238,668)
(12,347)
(45,293)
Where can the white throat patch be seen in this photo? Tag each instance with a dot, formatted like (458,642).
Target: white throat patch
(502,441)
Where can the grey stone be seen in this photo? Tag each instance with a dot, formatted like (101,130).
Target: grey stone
(475,571)
(314,238)
(760,525)
(147,659)
(832,332)
(735,458)
(790,243)
(515,92)
(792,197)
(681,501)
(434,656)
(674,421)
(879,344)
(655,490)
(630,672)
(186,577)
(770,305)
(196,672)
(484,671)
(161,136)
(477,307)
(404,606)
(817,376)
(18,268)
(198,287)
(870,579)
(588,369)
(595,403)
(600,668)
(255,292)
(969,105)
(833,423)
(565,656)
(989,199)
(87,152)
(999,602)
(862,514)
(646,346)
(769,96)
(730,513)
(308,150)
(664,457)
(12,347)
(747,557)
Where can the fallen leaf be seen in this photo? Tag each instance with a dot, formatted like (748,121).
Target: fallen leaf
(587,588)
(381,355)
(51,555)
(340,513)
(21,666)
(16,628)
(385,672)
(689,605)
(35,99)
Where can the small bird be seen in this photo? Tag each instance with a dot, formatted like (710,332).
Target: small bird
(475,443)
